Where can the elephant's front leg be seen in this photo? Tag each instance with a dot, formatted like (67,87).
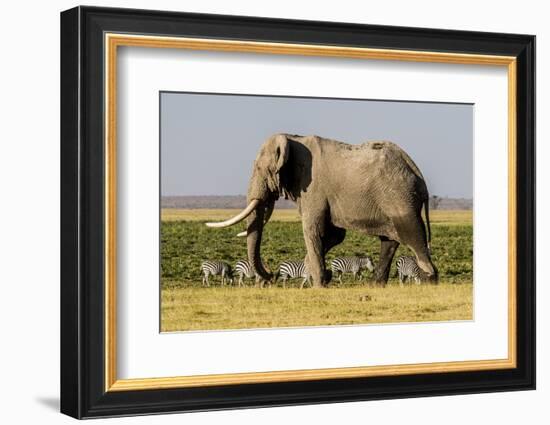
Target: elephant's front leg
(315,259)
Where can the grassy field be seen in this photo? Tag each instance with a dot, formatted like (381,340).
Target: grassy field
(186,242)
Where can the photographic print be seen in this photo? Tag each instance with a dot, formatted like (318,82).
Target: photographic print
(282,212)
(258,184)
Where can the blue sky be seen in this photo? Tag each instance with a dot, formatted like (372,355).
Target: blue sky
(209,141)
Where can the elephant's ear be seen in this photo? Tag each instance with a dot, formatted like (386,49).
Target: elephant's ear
(281,152)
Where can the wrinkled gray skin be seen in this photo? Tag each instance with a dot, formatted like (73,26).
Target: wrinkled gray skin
(374,188)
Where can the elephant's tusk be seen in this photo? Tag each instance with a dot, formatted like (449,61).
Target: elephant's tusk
(239,217)
(266,219)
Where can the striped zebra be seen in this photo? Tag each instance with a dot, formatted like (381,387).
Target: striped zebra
(353,265)
(291,270)
(216,268)
(244,269)
(407,268)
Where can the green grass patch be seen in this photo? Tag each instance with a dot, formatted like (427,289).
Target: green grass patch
(185,244)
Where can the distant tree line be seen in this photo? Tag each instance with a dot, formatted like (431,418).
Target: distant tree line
(239,201)
(435,201)
(445,203)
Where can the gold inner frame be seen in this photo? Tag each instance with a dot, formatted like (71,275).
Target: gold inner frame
(113,41)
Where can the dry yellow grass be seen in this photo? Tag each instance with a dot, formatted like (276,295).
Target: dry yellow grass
(446,217)
(196,308)
(451,217)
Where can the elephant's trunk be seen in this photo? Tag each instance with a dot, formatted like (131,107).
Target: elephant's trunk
(269,210)
(254,240)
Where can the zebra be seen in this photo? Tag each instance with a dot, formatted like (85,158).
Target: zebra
(215,268)
(293,269)
(408,268)
(353,265)
(244,269)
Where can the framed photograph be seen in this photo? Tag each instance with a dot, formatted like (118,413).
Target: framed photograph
(261,212)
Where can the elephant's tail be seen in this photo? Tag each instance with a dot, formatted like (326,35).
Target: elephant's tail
(427,212)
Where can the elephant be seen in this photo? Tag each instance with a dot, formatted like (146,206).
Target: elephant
(374,187)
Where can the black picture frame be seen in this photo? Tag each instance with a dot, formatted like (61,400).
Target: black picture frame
(82,212)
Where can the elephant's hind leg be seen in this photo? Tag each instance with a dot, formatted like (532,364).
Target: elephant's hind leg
(387,251)
(412,233)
